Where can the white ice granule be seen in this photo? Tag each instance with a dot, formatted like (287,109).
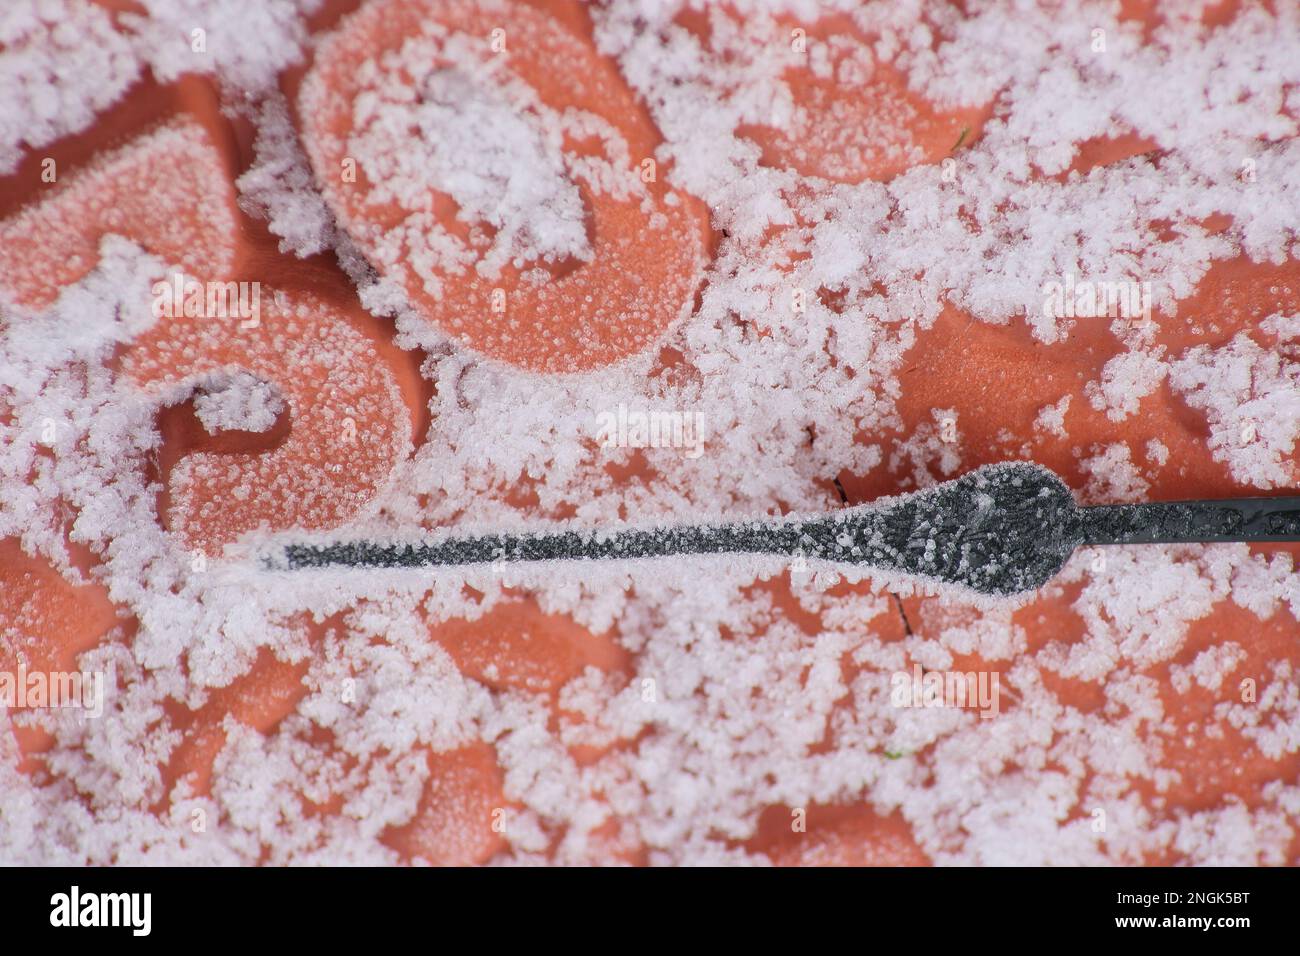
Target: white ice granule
(245,43)
(61,63)
(1112,476)
(1209,668)
(1271,722)
(937,444)
(1125,381)
(1234,836)
(1137,602)
(49,405)
(1260,585)
(1051,418)
(239,401)
(1284,327)
(1251,397)
(278,185)
(463,136)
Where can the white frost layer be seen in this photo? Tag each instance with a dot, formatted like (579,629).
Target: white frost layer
(1251,397)
(61,62)
(239,401)
(745,718)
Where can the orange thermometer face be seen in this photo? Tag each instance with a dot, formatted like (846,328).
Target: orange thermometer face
(480,432)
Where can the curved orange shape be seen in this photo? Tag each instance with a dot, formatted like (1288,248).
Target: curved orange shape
(349,424)
(167,190)
(517,646)
(544,311)
(859,120)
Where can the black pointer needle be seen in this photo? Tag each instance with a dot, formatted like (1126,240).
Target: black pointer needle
(1001,529)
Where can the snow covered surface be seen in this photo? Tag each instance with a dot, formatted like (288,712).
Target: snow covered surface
(239,402)
(746,685)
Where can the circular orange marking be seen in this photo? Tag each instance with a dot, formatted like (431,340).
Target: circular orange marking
(859,120)
(646,248)
(348,423)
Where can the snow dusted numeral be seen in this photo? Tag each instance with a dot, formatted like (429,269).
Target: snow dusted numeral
(165,191)
(617,300)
